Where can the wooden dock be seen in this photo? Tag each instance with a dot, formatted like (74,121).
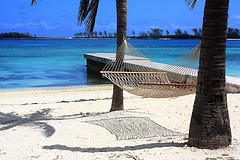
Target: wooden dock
(96,61)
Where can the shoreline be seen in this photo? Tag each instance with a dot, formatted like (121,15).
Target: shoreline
(52,88)
(102,38)
(230,79)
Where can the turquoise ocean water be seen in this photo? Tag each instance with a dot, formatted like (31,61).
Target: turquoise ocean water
(60,63)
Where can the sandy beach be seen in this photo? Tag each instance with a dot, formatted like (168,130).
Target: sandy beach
(74,124)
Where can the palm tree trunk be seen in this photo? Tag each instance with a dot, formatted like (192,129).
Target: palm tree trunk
(121,5)
(210,124)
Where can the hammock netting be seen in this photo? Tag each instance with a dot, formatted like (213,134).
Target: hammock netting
(136,74)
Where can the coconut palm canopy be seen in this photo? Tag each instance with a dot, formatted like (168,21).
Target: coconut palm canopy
(87,13)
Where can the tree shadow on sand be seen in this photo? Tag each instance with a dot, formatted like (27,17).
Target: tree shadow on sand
(113,149)
(11,120)
(38,119)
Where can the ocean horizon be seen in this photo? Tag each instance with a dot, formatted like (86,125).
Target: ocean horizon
(38,63)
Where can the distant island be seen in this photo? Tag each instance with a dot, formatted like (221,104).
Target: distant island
(16,35)
(153,33)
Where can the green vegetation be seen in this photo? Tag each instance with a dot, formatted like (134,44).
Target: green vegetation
(99,34)
(16,35)
(155,33)
(233,33)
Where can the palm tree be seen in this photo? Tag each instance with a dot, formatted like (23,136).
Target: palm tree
(178,32)
(133,33)
(100,33)
(117,101)
(105,33)
(167,32)
(87,14)
(95,34)
(210,125)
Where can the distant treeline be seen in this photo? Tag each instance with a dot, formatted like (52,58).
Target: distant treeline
(233,33)
(16,35)
(155,33)
(99,34)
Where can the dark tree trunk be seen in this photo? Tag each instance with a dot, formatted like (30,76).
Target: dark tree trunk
(210,124)
(117,99)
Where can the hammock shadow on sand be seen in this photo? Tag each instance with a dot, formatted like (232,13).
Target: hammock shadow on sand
(128,128)
(126,125)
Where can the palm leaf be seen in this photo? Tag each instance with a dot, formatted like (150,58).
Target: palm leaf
(191,3)
(87,14)
(33,1)
(82,11)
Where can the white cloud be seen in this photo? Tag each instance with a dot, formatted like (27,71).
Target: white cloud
(110,27)
(174,26)
(154,26)
(46,26)
(236,16)
(28,25)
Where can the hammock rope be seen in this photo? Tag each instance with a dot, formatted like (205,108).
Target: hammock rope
(136,74)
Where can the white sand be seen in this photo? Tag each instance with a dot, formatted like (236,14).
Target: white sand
(52,124)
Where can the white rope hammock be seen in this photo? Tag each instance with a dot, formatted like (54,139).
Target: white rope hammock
(136,74)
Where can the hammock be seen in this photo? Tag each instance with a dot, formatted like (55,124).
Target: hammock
(136,74)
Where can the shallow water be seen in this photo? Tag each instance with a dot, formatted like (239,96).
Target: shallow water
(55,63)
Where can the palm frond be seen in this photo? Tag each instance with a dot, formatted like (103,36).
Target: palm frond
(34,2)
(82,11)
(87,14)
(191,3)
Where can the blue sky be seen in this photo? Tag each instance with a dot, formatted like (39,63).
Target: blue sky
(58,18)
